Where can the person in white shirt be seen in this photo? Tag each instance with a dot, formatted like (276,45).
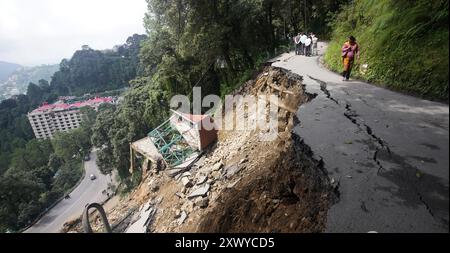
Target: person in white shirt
(315,50)
(302,41)
(297,44)
(308,43)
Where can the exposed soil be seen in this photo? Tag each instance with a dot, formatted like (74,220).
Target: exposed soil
(255,185)
(289,192)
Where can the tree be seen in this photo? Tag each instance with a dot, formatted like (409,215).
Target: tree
(17,191)
(92,70)
(71,145)
(212,44)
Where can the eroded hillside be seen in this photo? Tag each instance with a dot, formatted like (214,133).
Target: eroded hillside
(243,183)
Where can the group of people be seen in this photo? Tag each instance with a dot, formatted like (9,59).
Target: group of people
(306,44)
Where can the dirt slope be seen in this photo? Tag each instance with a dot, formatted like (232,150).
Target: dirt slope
(252,185)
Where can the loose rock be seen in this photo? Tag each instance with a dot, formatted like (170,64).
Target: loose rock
(182,218)
(201,180)
(199,192)
(202,202)
(186,182)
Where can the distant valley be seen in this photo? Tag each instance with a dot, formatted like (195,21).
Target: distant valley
(14,78)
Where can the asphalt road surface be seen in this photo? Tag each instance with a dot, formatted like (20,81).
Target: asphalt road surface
(89,191)
(387,152)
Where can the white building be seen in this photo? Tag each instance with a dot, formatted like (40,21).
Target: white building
(60,117)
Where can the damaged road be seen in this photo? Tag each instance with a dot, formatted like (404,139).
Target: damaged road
(242,183)
(388,152)
(348,157)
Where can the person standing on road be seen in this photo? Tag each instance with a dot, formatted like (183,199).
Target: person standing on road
(315,50)
(297,43)
(308,43)
(302,41)
(350,50)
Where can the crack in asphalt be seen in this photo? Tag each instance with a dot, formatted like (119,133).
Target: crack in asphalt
(323,88)
(425,204)
(351,115)
(380,144)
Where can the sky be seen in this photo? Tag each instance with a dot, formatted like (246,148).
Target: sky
(35,32)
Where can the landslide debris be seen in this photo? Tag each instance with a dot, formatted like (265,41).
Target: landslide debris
(241,183)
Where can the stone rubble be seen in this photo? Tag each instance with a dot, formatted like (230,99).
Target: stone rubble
(182,218)
(200,191)
(198,187)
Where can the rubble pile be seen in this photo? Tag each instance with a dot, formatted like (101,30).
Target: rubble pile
(279,189)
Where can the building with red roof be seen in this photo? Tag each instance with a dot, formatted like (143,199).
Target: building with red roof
(49,119)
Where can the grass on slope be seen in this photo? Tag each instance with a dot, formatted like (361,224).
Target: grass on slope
(404,43)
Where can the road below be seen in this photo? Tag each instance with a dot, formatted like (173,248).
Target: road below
(386,152)
(88,191)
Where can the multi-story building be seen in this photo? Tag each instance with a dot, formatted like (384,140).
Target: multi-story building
(60,117)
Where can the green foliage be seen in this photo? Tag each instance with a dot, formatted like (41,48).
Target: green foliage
(88,71)
(94,71)
(404,43)
(40,172)
(67,176)
(72,145)
(17,192)
(15,130)
(216,45)
(116,127)
(49,169)
(38,93)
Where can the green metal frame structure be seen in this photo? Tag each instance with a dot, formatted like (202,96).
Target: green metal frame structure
(170,144)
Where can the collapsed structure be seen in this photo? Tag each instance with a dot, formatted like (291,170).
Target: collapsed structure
(240,184)
(176,142)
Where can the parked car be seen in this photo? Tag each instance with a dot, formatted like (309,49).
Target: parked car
(93,177)
(87,158)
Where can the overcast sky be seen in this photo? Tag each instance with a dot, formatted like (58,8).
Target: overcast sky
(34,32)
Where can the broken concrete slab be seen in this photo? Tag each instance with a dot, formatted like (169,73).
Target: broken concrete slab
(186,174)
(182,218)
(201,179)
(186,182)
(231,170)
(200,191)
(146,215)
(175,172)
(188,162)
(211,181)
